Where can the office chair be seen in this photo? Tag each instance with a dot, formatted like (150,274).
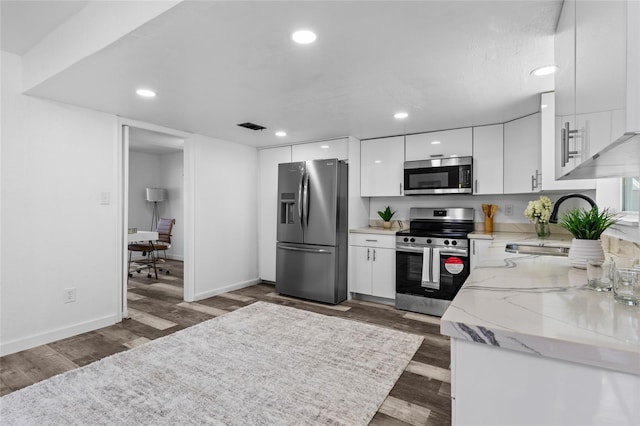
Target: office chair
(165,226)
(152,249)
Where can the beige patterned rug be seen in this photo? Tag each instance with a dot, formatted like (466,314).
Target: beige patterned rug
(264,364)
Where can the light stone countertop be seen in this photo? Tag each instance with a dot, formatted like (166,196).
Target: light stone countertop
(540,305)
(375,230)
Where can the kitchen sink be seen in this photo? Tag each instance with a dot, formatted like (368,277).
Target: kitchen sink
(537,248)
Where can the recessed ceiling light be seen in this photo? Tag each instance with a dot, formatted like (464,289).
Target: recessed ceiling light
(546,70)
(146,93)
(304,37)
(324,146)
(400,115)
(435,142)
(378,161)
(281,134)
(543,106)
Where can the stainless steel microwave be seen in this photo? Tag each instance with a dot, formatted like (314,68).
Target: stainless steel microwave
(438,176)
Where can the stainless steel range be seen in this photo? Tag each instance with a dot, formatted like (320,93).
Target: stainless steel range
(432,258)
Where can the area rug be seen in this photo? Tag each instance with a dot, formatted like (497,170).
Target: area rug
(263,364)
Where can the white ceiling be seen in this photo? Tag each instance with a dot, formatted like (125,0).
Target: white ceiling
(150,142)
(216,64)
(24,23)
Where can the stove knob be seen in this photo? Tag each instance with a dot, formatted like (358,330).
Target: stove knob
(446,242)
(405,239)
(413,240)
(429,241)
(455,243)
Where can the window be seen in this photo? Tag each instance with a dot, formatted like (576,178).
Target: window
(630,194)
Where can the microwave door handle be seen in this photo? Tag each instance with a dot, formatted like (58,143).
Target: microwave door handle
(300,200)
(305,195)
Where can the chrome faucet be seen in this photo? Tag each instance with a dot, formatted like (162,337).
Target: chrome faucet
(554,214)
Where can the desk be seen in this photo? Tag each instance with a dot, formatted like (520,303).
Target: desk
(144,236)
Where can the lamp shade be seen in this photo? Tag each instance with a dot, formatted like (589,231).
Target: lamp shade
(156,194)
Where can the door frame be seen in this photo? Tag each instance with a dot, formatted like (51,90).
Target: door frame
(122,200)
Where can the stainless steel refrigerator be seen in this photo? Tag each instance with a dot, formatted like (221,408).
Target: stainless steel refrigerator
(311,252)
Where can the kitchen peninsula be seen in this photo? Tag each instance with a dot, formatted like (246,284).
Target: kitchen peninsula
(530,344)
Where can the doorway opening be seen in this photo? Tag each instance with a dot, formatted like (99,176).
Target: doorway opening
(154,194)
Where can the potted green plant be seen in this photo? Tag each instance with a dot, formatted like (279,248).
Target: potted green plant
(586,227)
(386,216)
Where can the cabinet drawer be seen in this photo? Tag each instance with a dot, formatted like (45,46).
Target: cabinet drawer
(373,240)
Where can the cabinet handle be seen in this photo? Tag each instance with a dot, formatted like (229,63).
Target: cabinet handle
(473,246)
(475,185)
(535,180)
(374,255)
(566,135)
(372,241)
(367,254)
(400,188)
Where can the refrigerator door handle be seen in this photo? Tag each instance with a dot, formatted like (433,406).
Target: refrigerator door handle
(300,200)
(305,194)
(307,250)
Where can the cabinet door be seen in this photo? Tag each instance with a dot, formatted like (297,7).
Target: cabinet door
(488,159)
(382,167)
(477,251)
(565,79)
(336,148)
(549,156)
(383,276)
(522,155)
(268,207)
(360,269)
(447,143)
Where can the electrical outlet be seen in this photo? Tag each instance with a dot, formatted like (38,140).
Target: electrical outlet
(508,209)
(69,295)
(105,198)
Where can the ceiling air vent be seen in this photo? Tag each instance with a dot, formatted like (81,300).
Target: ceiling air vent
(251,126)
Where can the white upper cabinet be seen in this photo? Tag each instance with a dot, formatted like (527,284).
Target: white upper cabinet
(549,154)
(488,159)
(447,143)
(382,167)
(522,155)
(335,148)
(597,49)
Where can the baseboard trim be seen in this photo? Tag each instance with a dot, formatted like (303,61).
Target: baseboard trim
(225,289)
(17,345)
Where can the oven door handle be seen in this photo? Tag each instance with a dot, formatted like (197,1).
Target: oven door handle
(410,249)
(456,252)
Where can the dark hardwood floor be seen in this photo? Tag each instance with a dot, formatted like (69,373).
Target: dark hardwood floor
(420,397)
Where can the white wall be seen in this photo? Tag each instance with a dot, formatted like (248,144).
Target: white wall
(144,172)
(519,202)
(225,216)
(56,162)
(158,171)
(172,178)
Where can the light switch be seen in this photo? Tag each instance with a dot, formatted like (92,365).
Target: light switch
(105,198)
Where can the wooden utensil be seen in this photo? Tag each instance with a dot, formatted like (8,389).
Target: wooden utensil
(489,211)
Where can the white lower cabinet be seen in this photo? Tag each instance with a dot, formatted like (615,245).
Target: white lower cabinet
(372,265)
(478,246)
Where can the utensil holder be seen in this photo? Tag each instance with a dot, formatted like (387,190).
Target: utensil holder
(488,225)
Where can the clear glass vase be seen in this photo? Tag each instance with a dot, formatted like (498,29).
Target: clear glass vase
(542,229)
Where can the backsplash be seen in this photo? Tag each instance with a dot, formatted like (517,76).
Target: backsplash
(619,248)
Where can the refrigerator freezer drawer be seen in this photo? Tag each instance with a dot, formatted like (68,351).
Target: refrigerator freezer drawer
(309,272)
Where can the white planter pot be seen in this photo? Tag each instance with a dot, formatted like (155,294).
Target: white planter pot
(583,250)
